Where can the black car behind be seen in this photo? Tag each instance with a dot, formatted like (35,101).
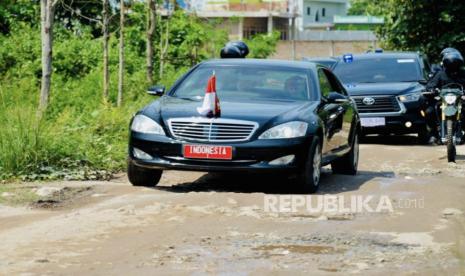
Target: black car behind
(387,90)
(276,116)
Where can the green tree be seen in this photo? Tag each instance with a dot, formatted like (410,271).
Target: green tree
(368,7)
(426,26)
(263,45)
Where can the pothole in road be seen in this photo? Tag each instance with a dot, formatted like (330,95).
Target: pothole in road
(63,197)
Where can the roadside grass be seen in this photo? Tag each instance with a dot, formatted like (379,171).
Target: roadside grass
(78,138)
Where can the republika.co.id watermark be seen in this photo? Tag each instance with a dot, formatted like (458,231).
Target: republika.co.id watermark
(338,203)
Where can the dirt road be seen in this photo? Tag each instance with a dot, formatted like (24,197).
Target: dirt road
(196,223)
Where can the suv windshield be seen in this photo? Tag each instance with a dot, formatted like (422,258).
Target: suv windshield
(379,70)
(248,82)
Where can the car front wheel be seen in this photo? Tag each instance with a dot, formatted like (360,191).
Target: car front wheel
(309,177)
(348,164)
(143,177)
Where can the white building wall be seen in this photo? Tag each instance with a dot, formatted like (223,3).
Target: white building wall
(319,11)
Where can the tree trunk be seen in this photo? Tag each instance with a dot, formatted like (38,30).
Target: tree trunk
(121,55)
(106,36)
(151,24)
(164,43)
(46,19)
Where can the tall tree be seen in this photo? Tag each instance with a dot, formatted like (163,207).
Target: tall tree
(121,55)
(106,37)
(47,9)
(426,26)
(151,25)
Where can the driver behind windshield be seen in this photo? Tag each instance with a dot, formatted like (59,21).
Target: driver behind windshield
(450,74)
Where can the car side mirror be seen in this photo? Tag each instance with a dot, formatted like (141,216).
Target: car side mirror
(156,90)
(335,97)
(424,82)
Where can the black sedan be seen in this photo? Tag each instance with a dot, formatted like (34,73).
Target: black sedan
(276,116)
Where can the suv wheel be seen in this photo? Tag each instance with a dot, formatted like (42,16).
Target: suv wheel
(143,177)
(309,178)
(348,164)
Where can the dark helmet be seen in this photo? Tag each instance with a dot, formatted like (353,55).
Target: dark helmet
(452,61)
(235,49)
(448,50)
(230,51)
(241,46)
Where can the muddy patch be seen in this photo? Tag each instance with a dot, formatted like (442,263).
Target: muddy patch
(63,197)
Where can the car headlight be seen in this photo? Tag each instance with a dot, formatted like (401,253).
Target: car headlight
(144,124)
(284,131)
(450,98)
(414,97)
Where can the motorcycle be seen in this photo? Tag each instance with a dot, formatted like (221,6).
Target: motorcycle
(449,109)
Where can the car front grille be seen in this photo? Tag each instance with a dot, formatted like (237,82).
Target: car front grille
(382,104)
(212,130)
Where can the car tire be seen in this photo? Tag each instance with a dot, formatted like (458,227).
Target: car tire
(309,178)
(348,164)
(423,137)
(143,177)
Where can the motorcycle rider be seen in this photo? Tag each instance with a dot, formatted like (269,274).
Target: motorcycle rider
(451,72)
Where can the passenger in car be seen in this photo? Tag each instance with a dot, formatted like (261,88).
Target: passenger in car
(296,87)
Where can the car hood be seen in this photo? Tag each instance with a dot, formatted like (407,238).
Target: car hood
(395,88)
(262,112)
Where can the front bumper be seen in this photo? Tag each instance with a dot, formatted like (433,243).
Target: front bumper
(397,123)
(251,156)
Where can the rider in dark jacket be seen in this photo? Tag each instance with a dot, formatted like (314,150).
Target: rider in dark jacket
(451,73)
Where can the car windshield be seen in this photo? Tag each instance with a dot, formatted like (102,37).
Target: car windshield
(246,82)
(378,70)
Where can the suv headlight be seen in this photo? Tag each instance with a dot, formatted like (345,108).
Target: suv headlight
(284,131)
(414,97)
(450,98)
(144,124)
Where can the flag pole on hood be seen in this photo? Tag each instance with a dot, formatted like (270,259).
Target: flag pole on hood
(211,103)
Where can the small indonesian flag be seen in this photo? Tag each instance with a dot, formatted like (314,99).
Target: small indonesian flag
(211,103)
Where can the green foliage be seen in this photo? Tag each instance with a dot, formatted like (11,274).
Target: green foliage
(368,7)
(417,25)
(263,45)
(79,137)
(193,39)
(13,12)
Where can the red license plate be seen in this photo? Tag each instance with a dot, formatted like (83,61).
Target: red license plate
(208,152)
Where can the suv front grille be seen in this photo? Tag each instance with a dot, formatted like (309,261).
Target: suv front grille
(382,104)
(212,130)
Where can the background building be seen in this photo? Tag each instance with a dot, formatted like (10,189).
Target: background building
(245,18)
(319,14)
